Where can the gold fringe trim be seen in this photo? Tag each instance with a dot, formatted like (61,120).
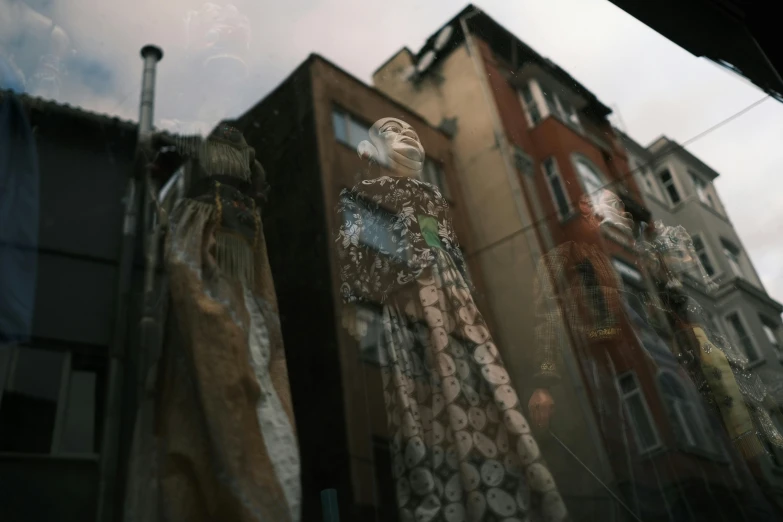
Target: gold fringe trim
(233,254)
(748,445)
(215,156)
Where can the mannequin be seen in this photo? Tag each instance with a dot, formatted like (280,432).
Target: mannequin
(461,448)
(590,281)
(224,427)
(739,398)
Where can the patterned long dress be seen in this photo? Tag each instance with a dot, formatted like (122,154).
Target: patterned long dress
(461,448)
(216,438)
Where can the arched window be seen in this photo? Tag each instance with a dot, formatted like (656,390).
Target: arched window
(592,179)
(686,416)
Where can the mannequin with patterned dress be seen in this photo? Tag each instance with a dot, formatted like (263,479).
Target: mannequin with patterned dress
(461,448)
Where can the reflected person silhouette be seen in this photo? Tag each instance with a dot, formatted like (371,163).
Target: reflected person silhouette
(461,447)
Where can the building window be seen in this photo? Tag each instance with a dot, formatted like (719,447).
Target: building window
(701,253)
(733,254)
(687,419)
(771,331)
(556,188)
(741,337)
(523,162)
(533,112)
(373,228)
(702,190)
(668,185)
(347,129)
(566,111)
(50,401)
(434,175)
(369,329)
(634,283)
(591,180)
(638,412)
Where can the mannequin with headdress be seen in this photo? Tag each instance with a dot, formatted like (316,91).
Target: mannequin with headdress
(461,447)
(225,446)
(738,397)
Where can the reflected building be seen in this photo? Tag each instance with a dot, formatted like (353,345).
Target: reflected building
(529,143)
(679,189)
(306,133)
(54,382)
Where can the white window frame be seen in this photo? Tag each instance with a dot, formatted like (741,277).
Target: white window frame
(558,176)
(772,335)
(625,396)
(603,180)
(702,190)
(664,186)
(370,317)
(569,117)
(679,416)
(708,253)
(527,106)
(740,346)
(347,117)
(735,261)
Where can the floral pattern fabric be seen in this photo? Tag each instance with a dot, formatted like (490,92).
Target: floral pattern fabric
(461,448)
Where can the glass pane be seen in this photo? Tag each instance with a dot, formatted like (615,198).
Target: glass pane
(357,133)
(29,408)
(339,127)
(641,421)
(79,431)
(560,197)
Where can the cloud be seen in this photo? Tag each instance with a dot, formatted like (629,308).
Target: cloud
(658,87)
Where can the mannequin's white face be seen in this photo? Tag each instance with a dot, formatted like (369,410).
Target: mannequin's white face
(399,143)
(607,208)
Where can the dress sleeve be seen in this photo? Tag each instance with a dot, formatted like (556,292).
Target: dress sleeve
(367,273)
(550,325)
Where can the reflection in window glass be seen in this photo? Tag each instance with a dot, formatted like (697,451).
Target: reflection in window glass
(702,189)
(556,187)
(733,255)
(701,252)
(79,431)
(592,181)
(348,130)
(684,415)
(668,184)
(370,329)
(637,411)
(531,105)
(770,330)
(434,175)
(741,336)
(28,411)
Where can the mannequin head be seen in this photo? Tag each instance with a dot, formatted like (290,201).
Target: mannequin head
(605,208)
(673,255)
(396,145)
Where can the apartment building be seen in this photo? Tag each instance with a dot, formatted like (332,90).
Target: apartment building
(679,189)
(529,141)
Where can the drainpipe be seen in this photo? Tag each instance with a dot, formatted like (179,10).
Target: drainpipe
(526,225)
(133,204)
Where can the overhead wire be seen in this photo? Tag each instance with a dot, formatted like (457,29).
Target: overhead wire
(655,158)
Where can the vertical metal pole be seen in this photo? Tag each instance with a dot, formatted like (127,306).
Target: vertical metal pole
(133,205)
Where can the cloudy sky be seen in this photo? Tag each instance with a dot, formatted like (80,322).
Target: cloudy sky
(655,86)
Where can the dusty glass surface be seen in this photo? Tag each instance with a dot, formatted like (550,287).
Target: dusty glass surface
(408,262)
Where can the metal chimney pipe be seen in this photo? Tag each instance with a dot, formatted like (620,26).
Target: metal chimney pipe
(108,497)
(151,55)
